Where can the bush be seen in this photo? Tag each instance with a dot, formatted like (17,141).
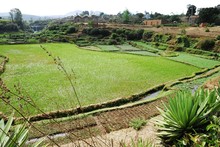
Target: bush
(94,32)
(71,29)
(137,123)
(218,37)
(104,32)
(184,40)
(112,42)
(53,27)
(186,115)
(147,35)
(32,41)
(207,30)
(206,44)
(158,38)
(183,31)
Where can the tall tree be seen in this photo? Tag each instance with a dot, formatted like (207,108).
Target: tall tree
(191,10)
(126,16)
(16,17)
(84,13)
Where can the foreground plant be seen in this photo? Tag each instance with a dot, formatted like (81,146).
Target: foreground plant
(139,143)
(137,123)
(187,115)
(17,137)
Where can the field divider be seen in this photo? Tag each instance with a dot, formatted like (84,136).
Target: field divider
(3,64)
(197,75)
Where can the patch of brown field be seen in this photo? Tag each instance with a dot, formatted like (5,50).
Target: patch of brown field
(100,123)
(213,83)
(190,31)
(124,137)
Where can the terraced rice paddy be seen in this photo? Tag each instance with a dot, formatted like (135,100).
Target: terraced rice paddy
(98,76)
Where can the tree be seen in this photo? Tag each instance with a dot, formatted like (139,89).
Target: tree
(16,17)
(126,15)
(84,13)
(209,15)
(139,17)
(191,10)
(175,18)
(156,16)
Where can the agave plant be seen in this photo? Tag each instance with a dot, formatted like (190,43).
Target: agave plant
(18,137)
(186,114)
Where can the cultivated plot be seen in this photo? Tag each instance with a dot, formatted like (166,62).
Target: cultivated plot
(98,76)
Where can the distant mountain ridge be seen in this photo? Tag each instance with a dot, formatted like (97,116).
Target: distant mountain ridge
(28,17)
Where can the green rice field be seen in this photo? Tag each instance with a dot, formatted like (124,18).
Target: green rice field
(98,76)
(108,47)
(194,60)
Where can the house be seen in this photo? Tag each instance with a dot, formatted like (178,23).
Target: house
(155,22)
(77,19)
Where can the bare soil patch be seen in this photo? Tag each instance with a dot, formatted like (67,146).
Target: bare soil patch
(190,31)
(124,136)
(213,83)
(99,124)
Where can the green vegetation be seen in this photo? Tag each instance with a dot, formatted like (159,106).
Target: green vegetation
(206,44)
(139,143)
(145,53)
(188,119)
(127,47)
(194,60)
(147,47)
(98,75)
(108,47)
(137,123)
(17,137)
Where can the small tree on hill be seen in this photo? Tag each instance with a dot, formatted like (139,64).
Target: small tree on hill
(126,16)
(16,17)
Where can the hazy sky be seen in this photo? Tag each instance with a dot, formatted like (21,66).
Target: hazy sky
(61,7)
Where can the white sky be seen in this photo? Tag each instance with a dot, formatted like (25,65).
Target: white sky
(61,7)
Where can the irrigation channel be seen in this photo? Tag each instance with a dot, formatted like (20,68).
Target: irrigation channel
(116,118)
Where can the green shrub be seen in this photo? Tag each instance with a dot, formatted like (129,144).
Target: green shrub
(32,41)
(139,143)
(206,44)
(187,114)
(184,40)
(218,37)
(137,123)
(71,29)
(112,42)
(207,30)
(183,31)
(158,38)
(147,35)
